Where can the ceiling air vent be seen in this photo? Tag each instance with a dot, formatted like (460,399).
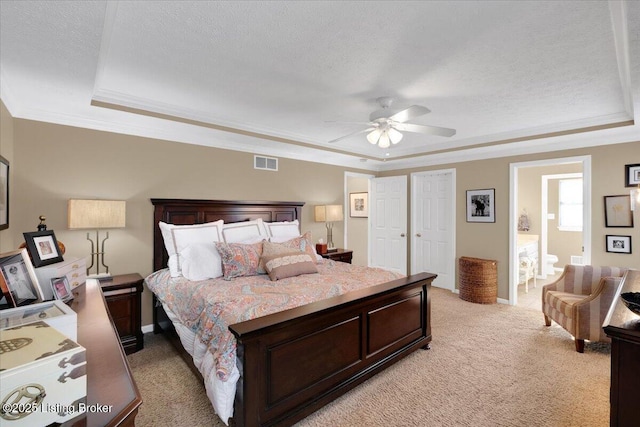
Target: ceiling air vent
(265,163)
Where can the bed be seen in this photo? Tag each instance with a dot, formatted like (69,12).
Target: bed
(340,341)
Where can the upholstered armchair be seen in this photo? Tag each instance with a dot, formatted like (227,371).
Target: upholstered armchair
(580,299)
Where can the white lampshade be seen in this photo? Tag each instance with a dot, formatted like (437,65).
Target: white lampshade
(96,214)
(328,213)
(384,140)
(394,136)
(374,136)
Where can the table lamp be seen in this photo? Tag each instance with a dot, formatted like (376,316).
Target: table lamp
(97,215)
(328,214)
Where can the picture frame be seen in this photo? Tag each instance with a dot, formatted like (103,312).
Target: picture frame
(359,205)
(618,244)
(617,211)
(4,193)
(632,175)
(61,289)
(43,247)
(481,205)
(18,279)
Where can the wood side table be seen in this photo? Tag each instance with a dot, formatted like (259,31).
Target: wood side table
(342,255)
(123,294)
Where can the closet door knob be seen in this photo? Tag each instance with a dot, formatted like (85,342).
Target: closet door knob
(402,235)
(418,235)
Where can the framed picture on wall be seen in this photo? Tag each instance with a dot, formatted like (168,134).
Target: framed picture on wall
(617,211)
(481,205)
(358,205)
(4,193)
(619,244)
(632,175)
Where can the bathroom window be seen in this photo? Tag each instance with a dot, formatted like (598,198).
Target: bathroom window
(570,210)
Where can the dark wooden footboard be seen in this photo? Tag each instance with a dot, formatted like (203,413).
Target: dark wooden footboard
(294,362)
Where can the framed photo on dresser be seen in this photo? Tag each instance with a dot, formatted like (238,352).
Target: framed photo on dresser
(18,279)
(43,247)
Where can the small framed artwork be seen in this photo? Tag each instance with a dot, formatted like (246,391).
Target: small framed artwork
(619,244)
(4,193)
(61,288)
(617,211)
(359,205)
(632,175)
(43,247)
(19,282)
(481,205)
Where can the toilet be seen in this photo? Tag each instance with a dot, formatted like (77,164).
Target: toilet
(551,259)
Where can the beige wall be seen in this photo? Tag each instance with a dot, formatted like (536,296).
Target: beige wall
(357,228)
(52,163)
(6,151)
(491,241)
(55,163)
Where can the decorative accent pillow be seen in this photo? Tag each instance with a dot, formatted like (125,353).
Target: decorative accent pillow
(179,237)
(243,232)
(283,229)
(289,264)
(302,243)
(240,259)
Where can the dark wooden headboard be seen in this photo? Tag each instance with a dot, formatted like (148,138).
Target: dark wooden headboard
(186,211)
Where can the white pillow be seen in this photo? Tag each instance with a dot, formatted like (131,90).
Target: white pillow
(179,237)
(201,261)
(283,229)
(244,232)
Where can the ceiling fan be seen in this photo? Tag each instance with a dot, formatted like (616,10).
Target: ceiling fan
(384,125)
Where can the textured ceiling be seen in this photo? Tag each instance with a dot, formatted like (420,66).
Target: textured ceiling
(274,77)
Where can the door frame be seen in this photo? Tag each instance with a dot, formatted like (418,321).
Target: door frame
(452,234)
(513,213)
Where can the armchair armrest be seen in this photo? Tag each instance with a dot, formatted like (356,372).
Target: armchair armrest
(591,312)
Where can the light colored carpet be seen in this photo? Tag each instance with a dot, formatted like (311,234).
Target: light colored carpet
(489,365)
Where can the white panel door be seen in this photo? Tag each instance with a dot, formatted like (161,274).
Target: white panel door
(432,225)
(388,219)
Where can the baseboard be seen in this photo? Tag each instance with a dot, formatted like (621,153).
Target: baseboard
(147,328)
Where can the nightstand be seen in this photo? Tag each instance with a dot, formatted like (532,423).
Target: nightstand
(123,294)
(342,255)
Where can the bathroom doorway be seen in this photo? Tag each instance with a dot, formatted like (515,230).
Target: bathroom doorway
(534,221)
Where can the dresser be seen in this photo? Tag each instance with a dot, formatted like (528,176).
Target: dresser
(110,384)
(623,327)
(74,269)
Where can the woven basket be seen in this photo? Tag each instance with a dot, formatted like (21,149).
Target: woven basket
(478,280)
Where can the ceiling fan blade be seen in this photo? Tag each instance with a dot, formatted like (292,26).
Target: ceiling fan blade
(429,130)
(352,134)
(350,123)
(409,113)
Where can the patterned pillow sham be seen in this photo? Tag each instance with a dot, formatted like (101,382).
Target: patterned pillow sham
(289,264)
(302,243)
(240,259)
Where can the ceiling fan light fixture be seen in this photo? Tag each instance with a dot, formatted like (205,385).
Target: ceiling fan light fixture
(374,136)
(394,136)
(384,141)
